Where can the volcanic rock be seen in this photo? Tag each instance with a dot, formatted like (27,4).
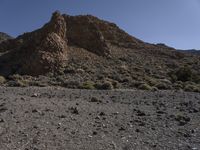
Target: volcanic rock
(38,52)
(84,32)
(91,50)
(95,35)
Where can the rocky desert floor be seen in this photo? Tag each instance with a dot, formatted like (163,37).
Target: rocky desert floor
(50,118)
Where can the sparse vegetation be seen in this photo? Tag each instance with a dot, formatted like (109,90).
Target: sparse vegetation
(145,87)
(106,85)
(2,80)
(184,74)
(163,86)
(178,85)
(76,84)
(113,63)
(18,83)
(88,85)
(192,88)
(151,81)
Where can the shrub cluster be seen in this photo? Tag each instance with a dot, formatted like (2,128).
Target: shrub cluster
(184,74)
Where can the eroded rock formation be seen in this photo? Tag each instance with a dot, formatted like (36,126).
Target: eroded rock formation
(96,35)
(46,49)
(83,32)
(38,52)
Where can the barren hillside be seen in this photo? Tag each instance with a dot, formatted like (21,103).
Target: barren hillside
(87,52)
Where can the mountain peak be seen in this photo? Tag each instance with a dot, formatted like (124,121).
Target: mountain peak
(37,52)
(57,24)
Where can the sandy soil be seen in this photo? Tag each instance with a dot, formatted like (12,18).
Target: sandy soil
(63,119)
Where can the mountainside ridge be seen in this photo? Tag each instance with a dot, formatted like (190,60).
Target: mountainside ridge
(4,36)
(79,50)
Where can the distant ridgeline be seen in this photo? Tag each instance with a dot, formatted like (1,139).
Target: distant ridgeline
(191,51)
(4,36)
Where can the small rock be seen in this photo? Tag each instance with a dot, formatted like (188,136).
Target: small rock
(98,118)
(62,116)
(183,120)
(137,130)
(160,112)
(122,129)
(140,113)
(1,120)
(34,110)
(1,130)
(94,99)
(102,114)
(22,98)
(35,95)
(94,133)
(3,109)
(74,110)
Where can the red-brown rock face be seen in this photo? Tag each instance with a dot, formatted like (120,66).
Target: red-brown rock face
(84,33)
(38,52)
(96,35)
(45,50)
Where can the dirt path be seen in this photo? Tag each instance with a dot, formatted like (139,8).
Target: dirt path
(63,119)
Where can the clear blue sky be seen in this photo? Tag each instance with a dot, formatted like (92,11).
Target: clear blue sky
(174,22)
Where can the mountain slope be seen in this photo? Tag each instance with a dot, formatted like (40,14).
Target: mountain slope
(88,52)
(4,36)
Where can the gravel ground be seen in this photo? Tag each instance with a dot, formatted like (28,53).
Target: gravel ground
(63,119)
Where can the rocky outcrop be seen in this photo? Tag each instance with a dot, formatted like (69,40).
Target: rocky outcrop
(45,50)
(83,32)
(96,35)
(38,52)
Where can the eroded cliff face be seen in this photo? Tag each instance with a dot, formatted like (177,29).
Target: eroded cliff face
(38,52)
(50,48)
(83,32)
(92,33)
(97,35)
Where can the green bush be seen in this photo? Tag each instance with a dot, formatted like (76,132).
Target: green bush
(192,88)
(196,78)
(154,89)
(88,85)
(18,83)
(184,74)
(163,86)
(2,80)
(145,87)
(151,81)
(178,85)
(115,84)
(76,84)
(16,77)
(106,85)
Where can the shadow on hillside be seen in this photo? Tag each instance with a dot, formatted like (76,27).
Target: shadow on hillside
(9,63)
